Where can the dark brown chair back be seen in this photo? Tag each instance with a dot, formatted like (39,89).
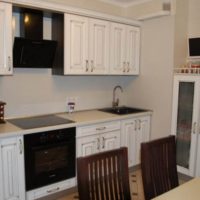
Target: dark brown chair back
(104,176)
(158,163)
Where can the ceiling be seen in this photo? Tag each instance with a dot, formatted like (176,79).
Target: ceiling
(125,3)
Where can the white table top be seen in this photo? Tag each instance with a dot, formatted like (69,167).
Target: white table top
(187,191)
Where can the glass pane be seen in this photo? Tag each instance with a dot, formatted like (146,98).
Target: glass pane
(184,122)
(51,159)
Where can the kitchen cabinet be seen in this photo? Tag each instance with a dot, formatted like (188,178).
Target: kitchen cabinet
(98,137)
(6,39)
(135,131)
(86,45)
(12,181)
(185,123)
(125,49)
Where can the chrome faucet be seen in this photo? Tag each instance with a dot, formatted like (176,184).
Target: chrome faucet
(115,102)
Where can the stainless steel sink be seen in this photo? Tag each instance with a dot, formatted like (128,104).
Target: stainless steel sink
(122,110)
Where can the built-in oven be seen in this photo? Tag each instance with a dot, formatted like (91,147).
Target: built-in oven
(49,157)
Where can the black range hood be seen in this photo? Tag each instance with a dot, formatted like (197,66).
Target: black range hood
(30,50)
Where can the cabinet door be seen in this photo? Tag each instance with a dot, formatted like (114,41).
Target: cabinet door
(88,145)
(185,121)
(110,140)
(142,128)
(5,38)
(134,132)
(132,50)
(128,139)
(118,48)
(12,183)
(98,46)
(76,45)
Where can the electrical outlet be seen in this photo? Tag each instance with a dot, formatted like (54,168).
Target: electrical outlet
(71,104)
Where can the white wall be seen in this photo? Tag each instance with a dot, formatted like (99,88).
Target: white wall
(194,18)
(36,91)
(153,88)
(181,33)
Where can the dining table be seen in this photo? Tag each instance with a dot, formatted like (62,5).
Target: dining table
(189,190)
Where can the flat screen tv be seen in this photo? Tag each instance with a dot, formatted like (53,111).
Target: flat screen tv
(29,53)
(194,47)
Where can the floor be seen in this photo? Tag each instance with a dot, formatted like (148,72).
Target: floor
(135,185)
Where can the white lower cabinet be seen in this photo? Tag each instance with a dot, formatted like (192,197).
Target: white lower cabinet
(12,179)
(50,189)
(98,137)
(134,132)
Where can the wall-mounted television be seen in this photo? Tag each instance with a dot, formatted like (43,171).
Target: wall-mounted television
(194,47)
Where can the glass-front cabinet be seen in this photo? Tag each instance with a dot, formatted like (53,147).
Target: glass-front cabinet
(185,123)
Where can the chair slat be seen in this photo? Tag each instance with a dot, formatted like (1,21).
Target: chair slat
(158,163)
(108,176)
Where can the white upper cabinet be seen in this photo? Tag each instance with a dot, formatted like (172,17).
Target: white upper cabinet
(5,39)
(117,50)
(98,46)
(132,50)
(76,44)
(86,45)
(94,46)
(125,49)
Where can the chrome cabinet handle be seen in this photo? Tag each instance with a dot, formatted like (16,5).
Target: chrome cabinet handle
(101,128)
(92,65)
(20,146)
(129,123)
(103,142)
(9,63)
(53,190)
(128,66)
(139,121)
(136,125)
(98,143)
(87,65)
(194,127)
(124,66)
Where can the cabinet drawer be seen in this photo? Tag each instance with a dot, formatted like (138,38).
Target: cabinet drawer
(50,189)
(98,128)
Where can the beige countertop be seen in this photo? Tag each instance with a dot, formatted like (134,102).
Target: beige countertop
(80,118)
(187,191)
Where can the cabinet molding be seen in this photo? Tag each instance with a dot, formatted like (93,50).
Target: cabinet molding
(41,4)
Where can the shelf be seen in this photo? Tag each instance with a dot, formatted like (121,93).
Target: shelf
(185,70)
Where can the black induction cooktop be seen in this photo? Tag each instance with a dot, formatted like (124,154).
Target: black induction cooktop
(39,121)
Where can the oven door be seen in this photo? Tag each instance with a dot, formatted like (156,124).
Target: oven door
(46,164)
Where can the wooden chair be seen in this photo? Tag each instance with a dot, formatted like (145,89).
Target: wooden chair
(104,176)
(158,163)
